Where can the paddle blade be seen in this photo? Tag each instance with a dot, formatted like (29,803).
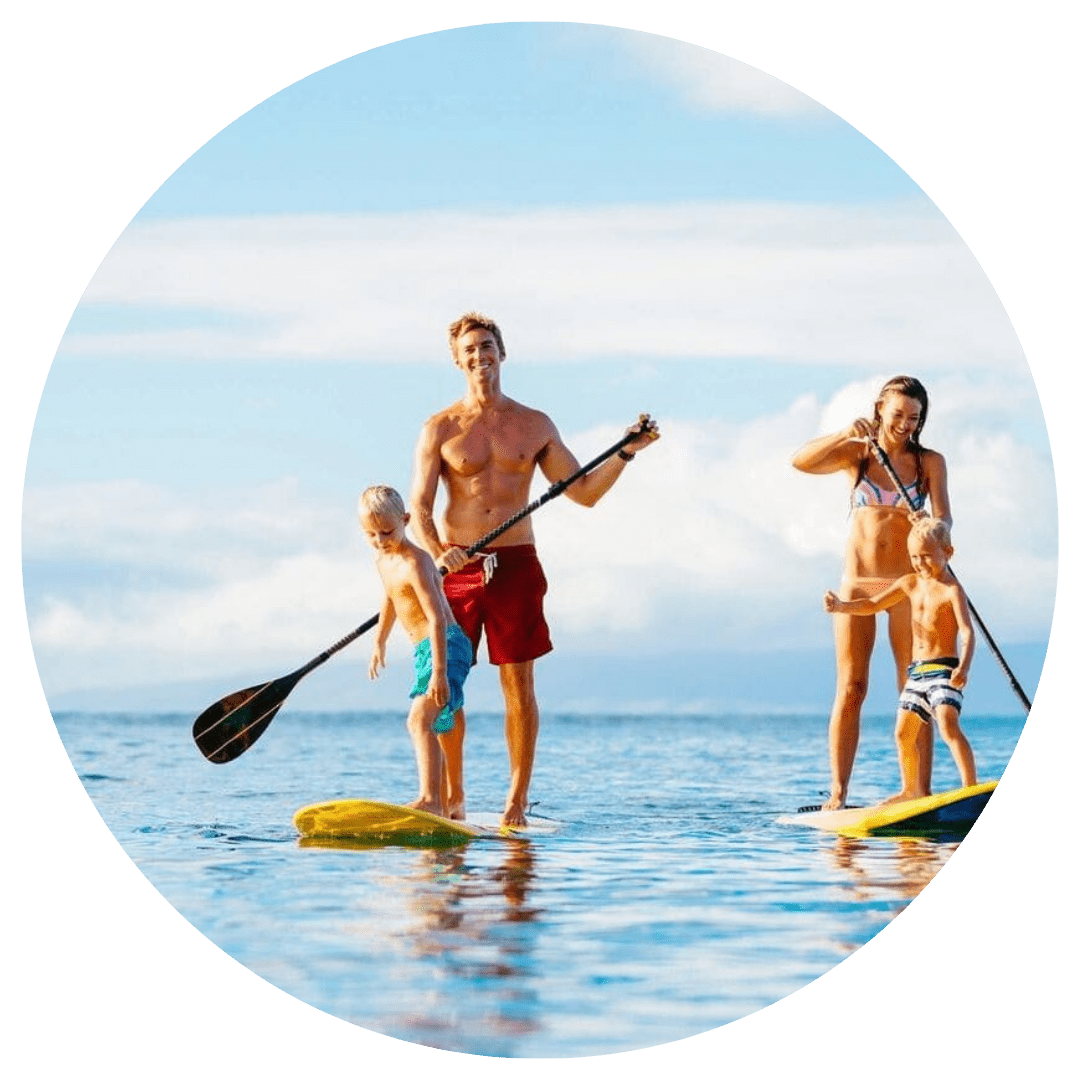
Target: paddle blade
(225,730)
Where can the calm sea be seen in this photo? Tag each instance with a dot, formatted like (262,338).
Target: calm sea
(666,901)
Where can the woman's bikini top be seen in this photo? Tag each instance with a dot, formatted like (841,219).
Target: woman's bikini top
(867,493)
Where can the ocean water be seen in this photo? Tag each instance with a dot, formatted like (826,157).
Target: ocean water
(663,899)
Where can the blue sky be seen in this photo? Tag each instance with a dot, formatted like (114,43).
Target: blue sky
(656,227)
(517,115)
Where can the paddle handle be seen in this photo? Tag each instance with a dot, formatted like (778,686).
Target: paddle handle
(887,465)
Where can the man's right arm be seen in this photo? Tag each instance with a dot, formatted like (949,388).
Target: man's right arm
(427,466)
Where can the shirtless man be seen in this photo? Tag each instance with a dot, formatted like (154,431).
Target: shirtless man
(485,449)
(943,642)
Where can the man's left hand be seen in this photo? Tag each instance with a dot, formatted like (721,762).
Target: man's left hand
(646,438)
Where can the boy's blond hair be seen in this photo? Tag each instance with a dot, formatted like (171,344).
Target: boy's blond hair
(473,320)
(382,501)
(933,529)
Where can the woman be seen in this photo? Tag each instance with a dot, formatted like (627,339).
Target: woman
(876,551)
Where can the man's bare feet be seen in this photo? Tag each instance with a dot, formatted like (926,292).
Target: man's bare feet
(835,801)
(514,817)
(455,811)
(903,796)
(430,806)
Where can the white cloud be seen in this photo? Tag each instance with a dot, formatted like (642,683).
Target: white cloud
(721,542)
(136,583)
(886,284)
(710,539)
(142,525)
(278,610)
(716,82)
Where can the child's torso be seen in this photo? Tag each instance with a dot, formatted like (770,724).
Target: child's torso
(400,577)
(933,619)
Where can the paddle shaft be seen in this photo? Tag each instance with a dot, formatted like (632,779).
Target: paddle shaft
(552,492)
(887,465)
(262,703)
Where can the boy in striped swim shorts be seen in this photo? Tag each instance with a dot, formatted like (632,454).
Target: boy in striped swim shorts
(940,621)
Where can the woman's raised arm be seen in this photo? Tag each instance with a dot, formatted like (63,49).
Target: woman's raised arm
(833,453)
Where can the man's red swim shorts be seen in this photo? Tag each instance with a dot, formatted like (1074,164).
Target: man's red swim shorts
(509,608)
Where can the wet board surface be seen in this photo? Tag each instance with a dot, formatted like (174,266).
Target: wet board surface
(386,823)
(949,812)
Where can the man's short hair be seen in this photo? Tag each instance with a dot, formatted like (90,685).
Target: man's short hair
(473,320)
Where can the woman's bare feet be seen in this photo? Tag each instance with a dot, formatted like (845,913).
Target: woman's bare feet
(514,817)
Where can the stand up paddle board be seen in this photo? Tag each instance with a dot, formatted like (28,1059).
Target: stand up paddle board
(385,823)
(950,812)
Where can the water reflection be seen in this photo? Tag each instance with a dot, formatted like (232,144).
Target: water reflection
(885,874)
(902,866)
(449,891)
(467,916)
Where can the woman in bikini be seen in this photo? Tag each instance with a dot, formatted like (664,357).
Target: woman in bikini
(876,552)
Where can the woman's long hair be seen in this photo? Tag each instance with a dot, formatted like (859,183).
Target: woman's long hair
(910,387)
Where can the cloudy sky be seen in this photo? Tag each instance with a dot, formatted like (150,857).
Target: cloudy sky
(656,228)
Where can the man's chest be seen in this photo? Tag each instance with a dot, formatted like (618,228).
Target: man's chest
(500,446)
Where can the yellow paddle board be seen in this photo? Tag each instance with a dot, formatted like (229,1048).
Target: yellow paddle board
(950,812)
(386,823)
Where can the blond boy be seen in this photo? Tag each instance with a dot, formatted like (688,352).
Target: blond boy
(940,619)
(442,654)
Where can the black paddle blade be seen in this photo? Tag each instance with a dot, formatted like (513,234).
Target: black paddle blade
(225,730)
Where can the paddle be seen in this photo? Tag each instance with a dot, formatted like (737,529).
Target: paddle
(226,729)
(886,464)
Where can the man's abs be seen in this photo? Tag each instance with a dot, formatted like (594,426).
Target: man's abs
(468,518)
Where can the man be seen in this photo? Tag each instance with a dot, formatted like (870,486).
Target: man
(485,449)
